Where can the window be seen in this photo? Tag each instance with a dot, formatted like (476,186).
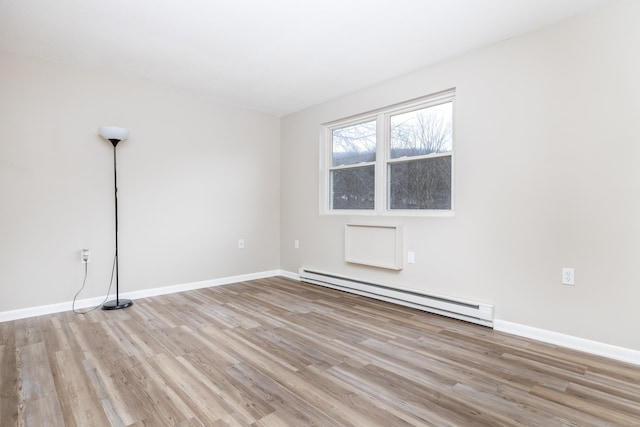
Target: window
(398,160)
(353,160)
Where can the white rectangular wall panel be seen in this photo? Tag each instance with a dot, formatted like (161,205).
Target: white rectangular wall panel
(375,245)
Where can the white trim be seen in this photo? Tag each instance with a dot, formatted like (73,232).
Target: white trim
(381,191)
(290,275)
(593,347)
(42,310)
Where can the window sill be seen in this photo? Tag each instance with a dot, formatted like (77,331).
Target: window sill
(387,213)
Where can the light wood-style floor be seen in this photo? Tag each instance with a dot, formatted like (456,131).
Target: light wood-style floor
(277,352)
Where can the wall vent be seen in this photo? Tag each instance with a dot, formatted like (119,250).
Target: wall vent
(474,312)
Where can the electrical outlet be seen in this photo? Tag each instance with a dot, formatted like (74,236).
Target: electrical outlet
(85,256)
(568,276)
(296,244)
(241,244)
(411,257)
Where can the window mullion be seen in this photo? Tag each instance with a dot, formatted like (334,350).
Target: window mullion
(381,162)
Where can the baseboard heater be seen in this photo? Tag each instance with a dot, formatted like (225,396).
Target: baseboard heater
(474,312)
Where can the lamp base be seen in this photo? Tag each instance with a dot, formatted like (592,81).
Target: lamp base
(117,304)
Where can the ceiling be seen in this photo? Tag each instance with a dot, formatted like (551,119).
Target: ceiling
(276,56)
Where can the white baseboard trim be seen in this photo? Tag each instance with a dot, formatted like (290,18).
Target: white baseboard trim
(593,347)
(199,285)
(290,275)
(83,304)
(550,337)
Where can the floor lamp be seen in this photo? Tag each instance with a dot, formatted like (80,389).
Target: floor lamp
(115,135)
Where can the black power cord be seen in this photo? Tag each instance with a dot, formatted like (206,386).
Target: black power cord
(84,281)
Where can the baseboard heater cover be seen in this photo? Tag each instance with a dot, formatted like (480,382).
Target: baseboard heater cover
(474,312)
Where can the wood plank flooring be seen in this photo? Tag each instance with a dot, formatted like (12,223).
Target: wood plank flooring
(277,352)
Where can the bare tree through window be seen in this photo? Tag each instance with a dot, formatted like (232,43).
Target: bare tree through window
(421,144)
(353,187)
(402,154)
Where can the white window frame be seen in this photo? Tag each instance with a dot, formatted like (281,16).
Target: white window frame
(383,118)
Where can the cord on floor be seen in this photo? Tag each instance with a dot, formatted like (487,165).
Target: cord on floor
(84,281)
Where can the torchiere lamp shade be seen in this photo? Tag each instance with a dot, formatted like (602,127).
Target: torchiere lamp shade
(114,134)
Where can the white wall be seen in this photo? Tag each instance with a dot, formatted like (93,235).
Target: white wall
(194,177)
(547,176)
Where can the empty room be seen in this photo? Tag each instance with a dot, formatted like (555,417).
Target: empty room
(320,213)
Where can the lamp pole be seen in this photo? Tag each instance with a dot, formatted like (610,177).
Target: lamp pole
(115,135)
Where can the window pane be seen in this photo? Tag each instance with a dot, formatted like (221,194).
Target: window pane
(420,184)
(354,144)
(421,132)
(353,188)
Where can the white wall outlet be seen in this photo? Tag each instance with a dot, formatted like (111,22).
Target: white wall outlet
(296,244)
(85,256)
(241,244)
(568,276)
(411,257)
